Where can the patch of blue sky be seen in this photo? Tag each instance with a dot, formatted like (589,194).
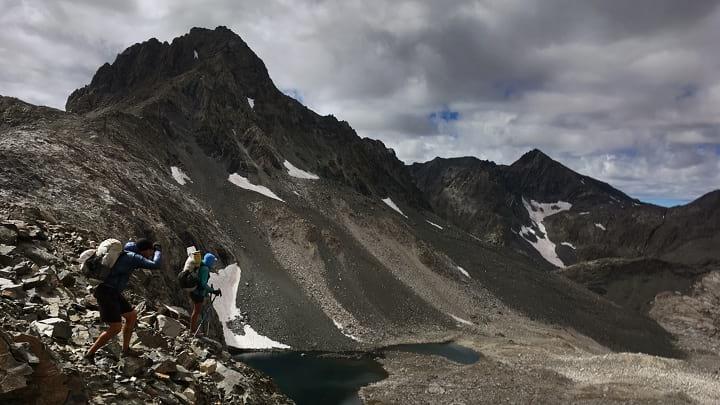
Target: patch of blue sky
(665,202)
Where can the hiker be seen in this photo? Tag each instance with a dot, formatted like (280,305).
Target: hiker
(113,305)
(202,290)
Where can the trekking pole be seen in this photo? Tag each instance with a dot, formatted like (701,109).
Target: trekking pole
(205,314)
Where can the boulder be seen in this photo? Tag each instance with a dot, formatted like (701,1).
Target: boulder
(67,278)
(13,373)
(8,234)
(34,282)
(133,366)
(22,269)
(7,272)
(176,312)
(190,394)
(53,327)
(6,250)
(167,366)
(169,326)
(208,366)
(150,339)
(187,359)
(12,291)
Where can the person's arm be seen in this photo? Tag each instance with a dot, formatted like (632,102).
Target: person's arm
(138,261)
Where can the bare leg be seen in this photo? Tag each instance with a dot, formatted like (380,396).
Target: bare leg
(105,337)
(130,319)
(197,308)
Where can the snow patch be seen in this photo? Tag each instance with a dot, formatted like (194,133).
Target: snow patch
(299,173)
(227,311)
(568,244)
(392,205)
(195,54)
(600,226)
(179,175)
(460,320)
(243,182)
(251,102)
(538,212)
(434,224)
(340,327)
(463,271)
(584,213)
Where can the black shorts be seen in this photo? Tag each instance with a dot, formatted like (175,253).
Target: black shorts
(112,304)
(198,299)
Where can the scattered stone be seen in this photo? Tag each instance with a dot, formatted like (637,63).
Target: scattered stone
(190,394)
(208,366)
(13,374)
(6,250)
(67,278)
(169,326)
(182,375)
(7,272)
(22,269)
(150,339)
(165,367)
(133,366)
(177,312)
(34,282)
(8,234)
(53,327)
(187,359)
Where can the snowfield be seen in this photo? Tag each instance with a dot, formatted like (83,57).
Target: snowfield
(243,182)
(392,205)
(340,327)
(460,320)
(600,226)
(179,175)
(299,173)
(538,212)
(464,272)
(251,102)
(228,311)
(434,224)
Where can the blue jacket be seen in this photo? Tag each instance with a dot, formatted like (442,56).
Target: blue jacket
(126,263)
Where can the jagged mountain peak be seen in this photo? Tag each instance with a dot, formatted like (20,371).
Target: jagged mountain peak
(143,68)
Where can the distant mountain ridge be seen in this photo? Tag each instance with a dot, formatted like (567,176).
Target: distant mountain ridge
(496,201)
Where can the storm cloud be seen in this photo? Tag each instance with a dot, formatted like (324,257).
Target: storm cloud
(624,91)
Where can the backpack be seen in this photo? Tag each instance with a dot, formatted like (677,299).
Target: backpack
(188,277)
(98,263)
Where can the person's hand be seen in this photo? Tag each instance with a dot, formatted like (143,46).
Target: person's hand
(157,246)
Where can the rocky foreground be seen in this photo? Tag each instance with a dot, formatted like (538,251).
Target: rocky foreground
(50,318)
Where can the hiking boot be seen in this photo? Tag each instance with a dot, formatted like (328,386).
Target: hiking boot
(89,357)
(130,352)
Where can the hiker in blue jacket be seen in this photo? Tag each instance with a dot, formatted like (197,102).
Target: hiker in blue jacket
(113,305)
(202,290)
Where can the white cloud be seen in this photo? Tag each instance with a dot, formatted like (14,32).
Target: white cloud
(636,81)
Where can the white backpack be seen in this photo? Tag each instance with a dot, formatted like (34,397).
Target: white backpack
(98,263)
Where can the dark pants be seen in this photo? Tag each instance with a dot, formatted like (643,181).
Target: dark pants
(112,303)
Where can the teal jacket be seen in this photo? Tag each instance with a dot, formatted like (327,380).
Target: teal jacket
(203,289)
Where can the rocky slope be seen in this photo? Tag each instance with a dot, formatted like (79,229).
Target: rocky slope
(50,318)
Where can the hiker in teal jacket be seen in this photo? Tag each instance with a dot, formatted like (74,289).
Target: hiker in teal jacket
(203,289)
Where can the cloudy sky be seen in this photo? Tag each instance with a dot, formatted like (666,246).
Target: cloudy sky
(624,91)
